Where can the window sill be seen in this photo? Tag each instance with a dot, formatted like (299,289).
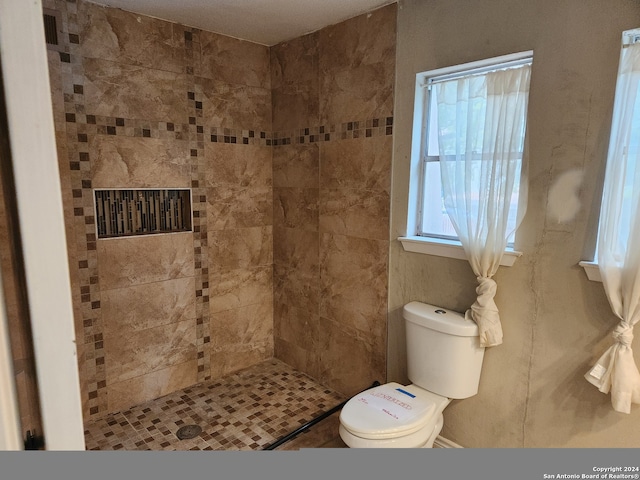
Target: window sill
(592,271)
(449,249)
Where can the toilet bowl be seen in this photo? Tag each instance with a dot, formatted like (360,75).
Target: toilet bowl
(444,361)
(392,416)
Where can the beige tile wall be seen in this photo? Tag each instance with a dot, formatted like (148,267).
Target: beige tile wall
(332,104)
(287,151)
(148,312)
(144,103)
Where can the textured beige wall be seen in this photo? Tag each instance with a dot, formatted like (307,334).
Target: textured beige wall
(556,322)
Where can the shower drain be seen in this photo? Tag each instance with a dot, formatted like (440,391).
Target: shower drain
(188,431)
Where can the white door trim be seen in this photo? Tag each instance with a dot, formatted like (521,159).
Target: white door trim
(10,437)
(41,219)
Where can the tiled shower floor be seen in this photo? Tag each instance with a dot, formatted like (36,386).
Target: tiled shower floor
(246,410)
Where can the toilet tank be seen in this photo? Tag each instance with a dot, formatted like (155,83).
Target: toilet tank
(444,355)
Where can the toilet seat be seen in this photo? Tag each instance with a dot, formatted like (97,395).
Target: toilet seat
(391,411)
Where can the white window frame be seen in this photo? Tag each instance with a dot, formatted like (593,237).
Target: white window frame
(412,242)
(591,267)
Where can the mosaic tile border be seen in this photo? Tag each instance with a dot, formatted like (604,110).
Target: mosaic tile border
(240,137)
(374,127)
(129,127)
(78,135)
(88,124)
(199,207)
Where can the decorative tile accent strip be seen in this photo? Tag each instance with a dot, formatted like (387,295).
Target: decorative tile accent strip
(244,137)
(138,212)
(199,191)
(133,127)
(366,128)
(78,132)
(128,127)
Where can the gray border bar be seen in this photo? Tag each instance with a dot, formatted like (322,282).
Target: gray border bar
(323,464)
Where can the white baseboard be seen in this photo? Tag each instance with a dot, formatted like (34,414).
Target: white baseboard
(441,442)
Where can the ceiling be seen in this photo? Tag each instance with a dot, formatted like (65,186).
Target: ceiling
(267,22)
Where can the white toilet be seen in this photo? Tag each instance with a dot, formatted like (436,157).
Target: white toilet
(444,360)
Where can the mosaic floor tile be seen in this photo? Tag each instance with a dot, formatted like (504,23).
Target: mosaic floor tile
(113,432)
(247,410)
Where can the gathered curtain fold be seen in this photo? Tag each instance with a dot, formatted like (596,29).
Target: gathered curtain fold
(481,139)
(615,371)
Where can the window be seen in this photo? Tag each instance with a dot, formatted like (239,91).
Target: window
(436,139)
(618,260)
(621,190)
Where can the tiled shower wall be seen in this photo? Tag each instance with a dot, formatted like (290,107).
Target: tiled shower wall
(144,103)
(333,122)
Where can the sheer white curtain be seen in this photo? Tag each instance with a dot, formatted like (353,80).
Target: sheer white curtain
(481,131)
(619,238)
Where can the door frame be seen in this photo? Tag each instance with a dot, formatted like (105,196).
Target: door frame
(10,436)
(41,219)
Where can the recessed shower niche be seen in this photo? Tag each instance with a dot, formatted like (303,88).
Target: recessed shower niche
(125,213)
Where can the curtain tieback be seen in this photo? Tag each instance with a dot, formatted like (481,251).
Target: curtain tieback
(486,290)
(623,334)
(485,313)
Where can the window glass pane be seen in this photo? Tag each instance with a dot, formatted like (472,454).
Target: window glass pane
(432,124)
(435,220)
(513,206)
(634,140)
(442,138)
(632,176)
(622,179)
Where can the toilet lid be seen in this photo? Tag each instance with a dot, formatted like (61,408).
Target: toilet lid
(388,411)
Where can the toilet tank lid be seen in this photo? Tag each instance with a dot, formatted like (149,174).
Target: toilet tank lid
(440,319)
